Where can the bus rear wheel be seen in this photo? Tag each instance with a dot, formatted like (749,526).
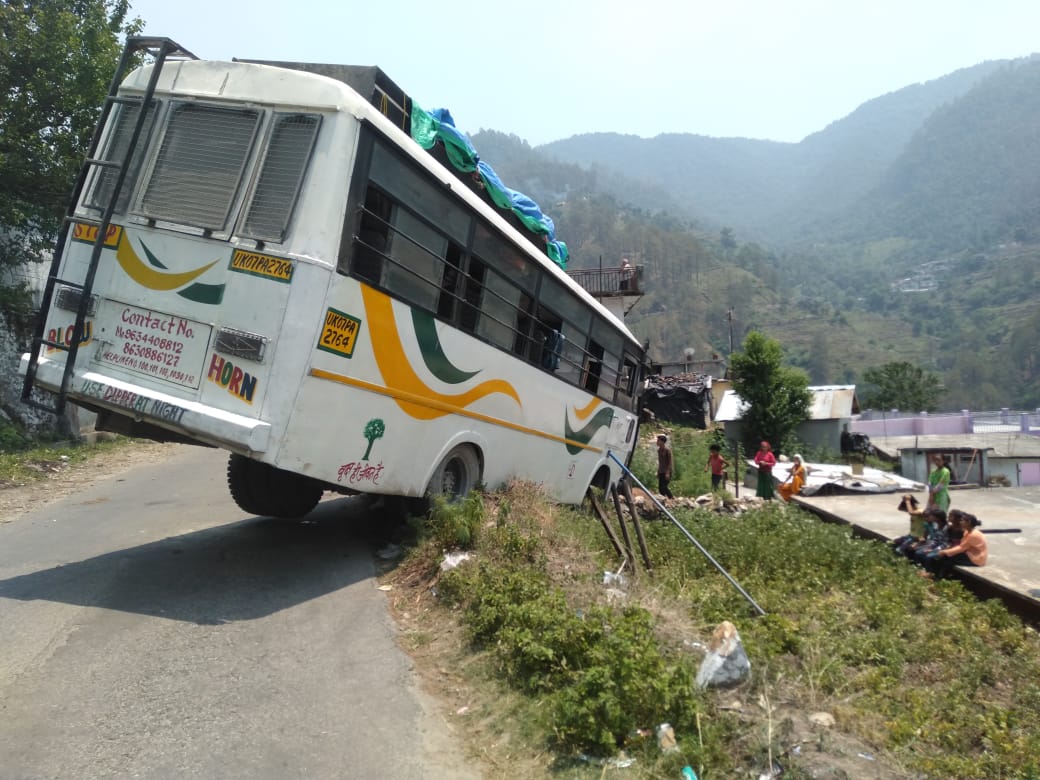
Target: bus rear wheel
(456,475)
(262,489)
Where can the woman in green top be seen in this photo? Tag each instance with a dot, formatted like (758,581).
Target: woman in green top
(938,485)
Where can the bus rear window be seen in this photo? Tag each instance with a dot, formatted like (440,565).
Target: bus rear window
(199,166)
(281,175)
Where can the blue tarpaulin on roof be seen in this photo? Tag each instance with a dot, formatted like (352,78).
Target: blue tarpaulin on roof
(428,127)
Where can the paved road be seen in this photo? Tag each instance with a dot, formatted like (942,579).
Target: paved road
(149,629)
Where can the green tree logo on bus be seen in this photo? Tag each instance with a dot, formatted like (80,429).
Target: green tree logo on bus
(374,429)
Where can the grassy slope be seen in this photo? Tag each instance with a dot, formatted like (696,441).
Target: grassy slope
(921,679)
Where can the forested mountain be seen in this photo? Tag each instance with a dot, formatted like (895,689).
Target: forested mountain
(908,230)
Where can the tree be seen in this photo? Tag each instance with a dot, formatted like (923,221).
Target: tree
(777,396)
(374,429)
(57,58)
(902,385)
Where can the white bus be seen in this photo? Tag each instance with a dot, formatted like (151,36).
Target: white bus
(258,258)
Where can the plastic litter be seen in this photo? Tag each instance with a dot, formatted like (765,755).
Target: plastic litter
(451,560)
(666,739)
(726,663)
(688,773)
(620,761)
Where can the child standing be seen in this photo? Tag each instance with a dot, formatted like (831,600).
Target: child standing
(717,464)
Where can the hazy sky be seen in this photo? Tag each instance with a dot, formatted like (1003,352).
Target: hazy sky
(771,69)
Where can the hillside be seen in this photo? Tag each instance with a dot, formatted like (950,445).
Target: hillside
(908,230)
(771,190)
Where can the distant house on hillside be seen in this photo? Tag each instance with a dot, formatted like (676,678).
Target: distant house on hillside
(831,409)
(682,398)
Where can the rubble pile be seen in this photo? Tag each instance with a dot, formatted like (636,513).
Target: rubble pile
(722,504)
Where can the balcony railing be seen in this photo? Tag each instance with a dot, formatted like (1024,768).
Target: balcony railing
(610,282)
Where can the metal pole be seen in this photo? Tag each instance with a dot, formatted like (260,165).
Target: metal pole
(687,534)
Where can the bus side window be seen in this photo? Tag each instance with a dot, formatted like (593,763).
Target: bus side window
(450,283)
(373,236)
(572,354)
(593,367)
(521,344)
(627,384)
(472,289)
(547,345)
(415,262)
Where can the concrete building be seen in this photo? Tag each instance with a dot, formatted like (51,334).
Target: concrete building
(831,409)
(1011,459)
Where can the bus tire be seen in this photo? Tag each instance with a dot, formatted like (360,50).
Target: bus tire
(601,479)
(456,475)
(262,489)
(600,482)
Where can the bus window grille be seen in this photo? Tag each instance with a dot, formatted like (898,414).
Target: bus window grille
(281,176)
(199,167)
(104,178)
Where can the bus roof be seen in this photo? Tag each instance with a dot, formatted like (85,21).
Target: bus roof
(339,88)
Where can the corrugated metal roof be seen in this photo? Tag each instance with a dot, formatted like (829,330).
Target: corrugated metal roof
(828,402)
(1001,445)
(833,402)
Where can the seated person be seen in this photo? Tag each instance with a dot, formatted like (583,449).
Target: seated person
(971,550)
(935,538)
(910,505)
(792,486)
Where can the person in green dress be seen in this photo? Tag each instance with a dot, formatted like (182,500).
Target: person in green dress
(939,484)
(765,460)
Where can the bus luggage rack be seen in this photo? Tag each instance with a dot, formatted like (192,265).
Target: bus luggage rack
(76,295)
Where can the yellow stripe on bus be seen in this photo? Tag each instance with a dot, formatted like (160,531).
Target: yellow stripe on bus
(149,277)
(583,414)
(398,372)
(443,408)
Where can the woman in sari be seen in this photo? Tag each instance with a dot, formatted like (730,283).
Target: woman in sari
(792,486)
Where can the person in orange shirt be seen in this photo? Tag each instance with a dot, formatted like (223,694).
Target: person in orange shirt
(717,464)
(971,550)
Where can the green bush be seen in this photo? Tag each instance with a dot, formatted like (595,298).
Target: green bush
(624,683)
(944,684)
(11,438)
(456,525)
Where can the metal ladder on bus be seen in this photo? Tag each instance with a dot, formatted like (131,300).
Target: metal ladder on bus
(160,50)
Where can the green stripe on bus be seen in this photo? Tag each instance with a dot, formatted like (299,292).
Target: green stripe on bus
(576,440)
(433,352)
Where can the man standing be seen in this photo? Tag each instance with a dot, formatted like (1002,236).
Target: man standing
(664,466)
(628,275)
